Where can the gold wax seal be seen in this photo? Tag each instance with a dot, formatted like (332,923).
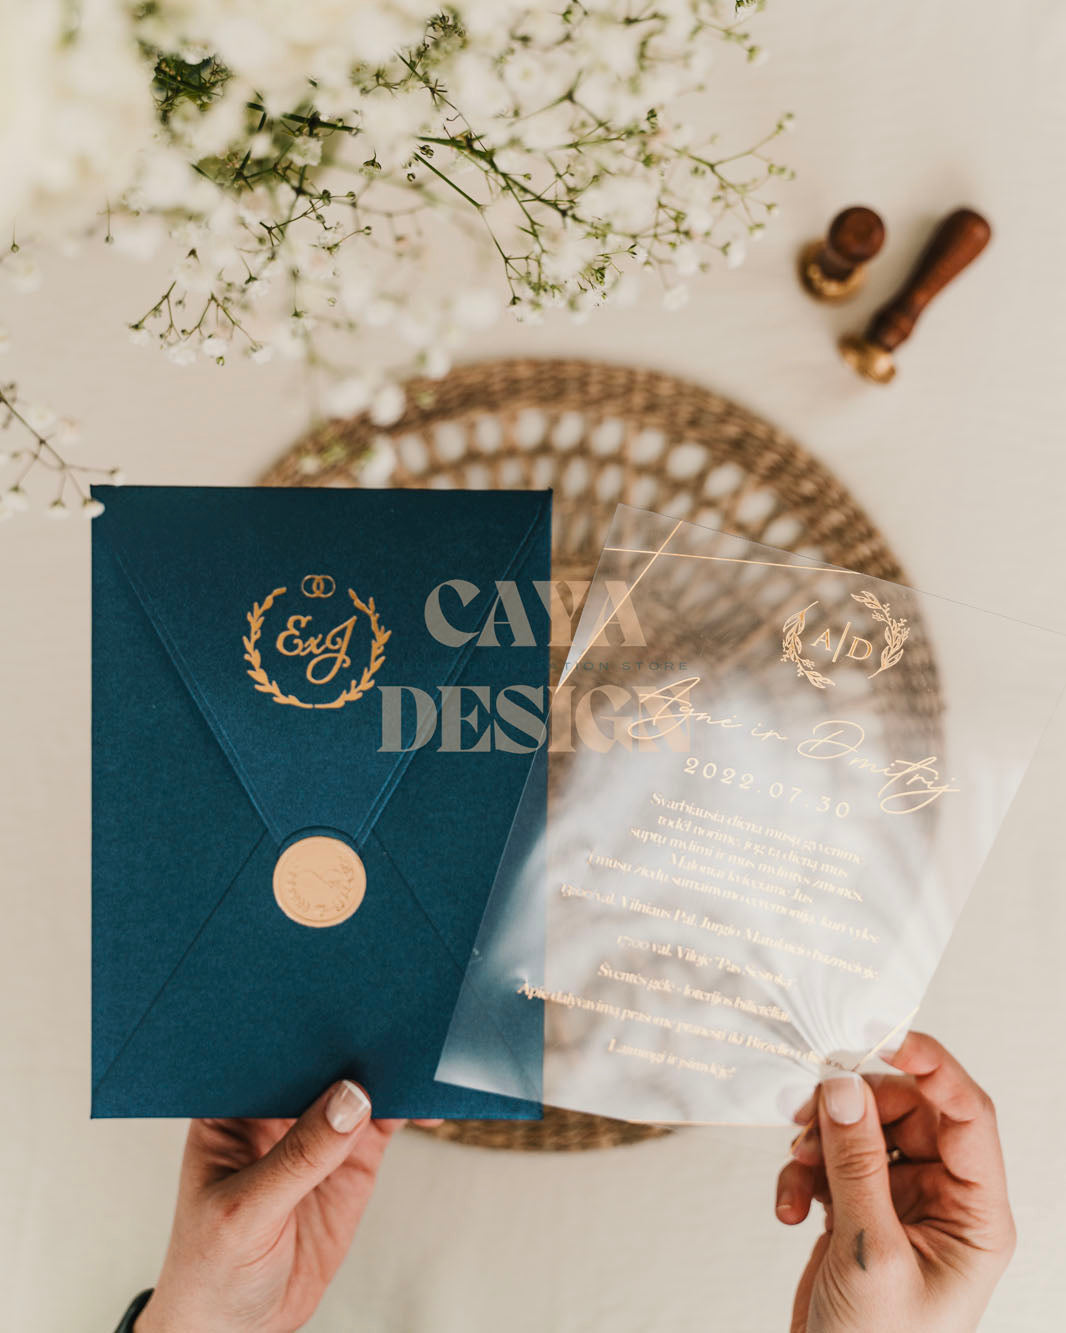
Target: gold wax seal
(319,881)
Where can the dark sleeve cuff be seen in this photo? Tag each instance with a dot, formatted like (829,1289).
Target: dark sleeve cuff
(135,1307)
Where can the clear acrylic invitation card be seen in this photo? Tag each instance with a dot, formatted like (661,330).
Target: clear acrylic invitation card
(772,783)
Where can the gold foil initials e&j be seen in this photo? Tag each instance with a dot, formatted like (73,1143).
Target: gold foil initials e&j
(328,653)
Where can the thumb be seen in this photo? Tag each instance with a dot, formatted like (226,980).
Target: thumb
(856,1165)
(310,1150)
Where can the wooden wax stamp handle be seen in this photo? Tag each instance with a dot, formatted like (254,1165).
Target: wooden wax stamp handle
(834,268)
(957,242)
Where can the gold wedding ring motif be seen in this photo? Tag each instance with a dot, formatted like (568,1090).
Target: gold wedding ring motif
(318,585)
(319,881)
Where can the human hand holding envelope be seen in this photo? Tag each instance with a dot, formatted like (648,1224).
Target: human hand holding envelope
(273,667)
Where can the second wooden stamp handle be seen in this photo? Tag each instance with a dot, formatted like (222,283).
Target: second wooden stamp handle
(958,241)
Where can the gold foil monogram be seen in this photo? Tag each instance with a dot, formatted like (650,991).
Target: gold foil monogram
(328,651)
(318,585)
(322,649)
(846,643)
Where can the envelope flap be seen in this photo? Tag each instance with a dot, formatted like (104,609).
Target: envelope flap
(285,612)
(289,1011)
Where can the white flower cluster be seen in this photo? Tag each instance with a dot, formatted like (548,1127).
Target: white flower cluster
(47,431)
(304,164)
(75,110)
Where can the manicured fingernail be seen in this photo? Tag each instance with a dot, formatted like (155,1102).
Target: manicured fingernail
(844,1098)
(785,1201)
(347,1105)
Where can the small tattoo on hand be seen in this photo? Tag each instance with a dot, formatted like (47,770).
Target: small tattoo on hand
(860,1250)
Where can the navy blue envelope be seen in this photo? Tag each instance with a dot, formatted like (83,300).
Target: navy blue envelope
(266,667)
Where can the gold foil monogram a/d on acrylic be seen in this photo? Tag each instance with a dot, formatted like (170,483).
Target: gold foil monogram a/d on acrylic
(324,643)
(846,642)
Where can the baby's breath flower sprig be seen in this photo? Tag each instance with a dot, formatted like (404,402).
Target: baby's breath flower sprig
(45,431)
(304,166)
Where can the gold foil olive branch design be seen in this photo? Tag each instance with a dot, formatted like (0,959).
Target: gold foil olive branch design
(263,683)
(792,649)
(358,686)
(896,631)
(377,655)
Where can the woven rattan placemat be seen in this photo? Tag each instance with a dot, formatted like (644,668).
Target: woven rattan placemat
(600,435)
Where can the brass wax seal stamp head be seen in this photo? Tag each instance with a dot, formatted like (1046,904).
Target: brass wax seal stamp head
(319,881)
(834,268)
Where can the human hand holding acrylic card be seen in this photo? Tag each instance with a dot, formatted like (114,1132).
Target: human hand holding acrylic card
(309,737)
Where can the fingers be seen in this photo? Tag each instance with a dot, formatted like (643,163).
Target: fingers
(310,1151)
(795,1192)
(967,1135)
(391,1126)
(856,1165)
(915,1190)
(895,1094)
(908,1121)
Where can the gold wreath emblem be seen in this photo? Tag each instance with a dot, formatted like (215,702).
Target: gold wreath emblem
(896,634)
(355,690)
(896,631)
(792,649)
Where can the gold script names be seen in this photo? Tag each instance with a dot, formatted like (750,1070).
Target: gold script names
(909,784)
